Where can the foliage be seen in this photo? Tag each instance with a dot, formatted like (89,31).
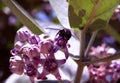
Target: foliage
(82,13)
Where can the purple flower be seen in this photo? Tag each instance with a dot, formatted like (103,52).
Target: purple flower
(61,45)
(109,73)
(30,50)
(102,71)
(23,34)
(30,69)
(50,66)
(98,74)
(102,51)
(105,72)
(46,47)
(16,64)
(35,39)
(61,42)
(116,70)
(35,52)
(17,47)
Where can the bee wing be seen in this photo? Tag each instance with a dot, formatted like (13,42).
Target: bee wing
(50,28)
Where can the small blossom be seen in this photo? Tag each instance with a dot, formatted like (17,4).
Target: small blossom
(102,51)
(46,46)
(16,64)
(50,66)
(23,34)
(30,50)
(35,39)
(30,70)
(61,42)
(16,49)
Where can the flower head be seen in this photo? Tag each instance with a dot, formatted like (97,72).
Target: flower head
(103,71)
(102,51)
(35,52)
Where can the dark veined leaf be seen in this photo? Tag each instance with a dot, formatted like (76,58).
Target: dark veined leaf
(83,13)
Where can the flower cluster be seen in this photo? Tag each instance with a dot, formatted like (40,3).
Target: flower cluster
(104,72)
(32,53)
(102,51)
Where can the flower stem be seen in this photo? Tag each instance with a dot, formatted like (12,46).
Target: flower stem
(107,59)
(82,43)
(91,42)
(79,73)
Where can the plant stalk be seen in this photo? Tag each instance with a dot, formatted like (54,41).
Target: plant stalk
(79,73)
(107,59)
(91,42)
(82,46)
(83,43)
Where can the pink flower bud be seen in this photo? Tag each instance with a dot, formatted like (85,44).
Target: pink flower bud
(46,46)
(30,50)
(16,64)
(16,49)
(34,39)
(23,34)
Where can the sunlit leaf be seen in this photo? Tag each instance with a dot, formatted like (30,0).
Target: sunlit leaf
(90,11)
(61,9)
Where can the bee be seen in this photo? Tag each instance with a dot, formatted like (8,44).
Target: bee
(64,33)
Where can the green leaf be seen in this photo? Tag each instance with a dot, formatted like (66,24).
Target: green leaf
(24,16)
(97,25)
(83,13)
